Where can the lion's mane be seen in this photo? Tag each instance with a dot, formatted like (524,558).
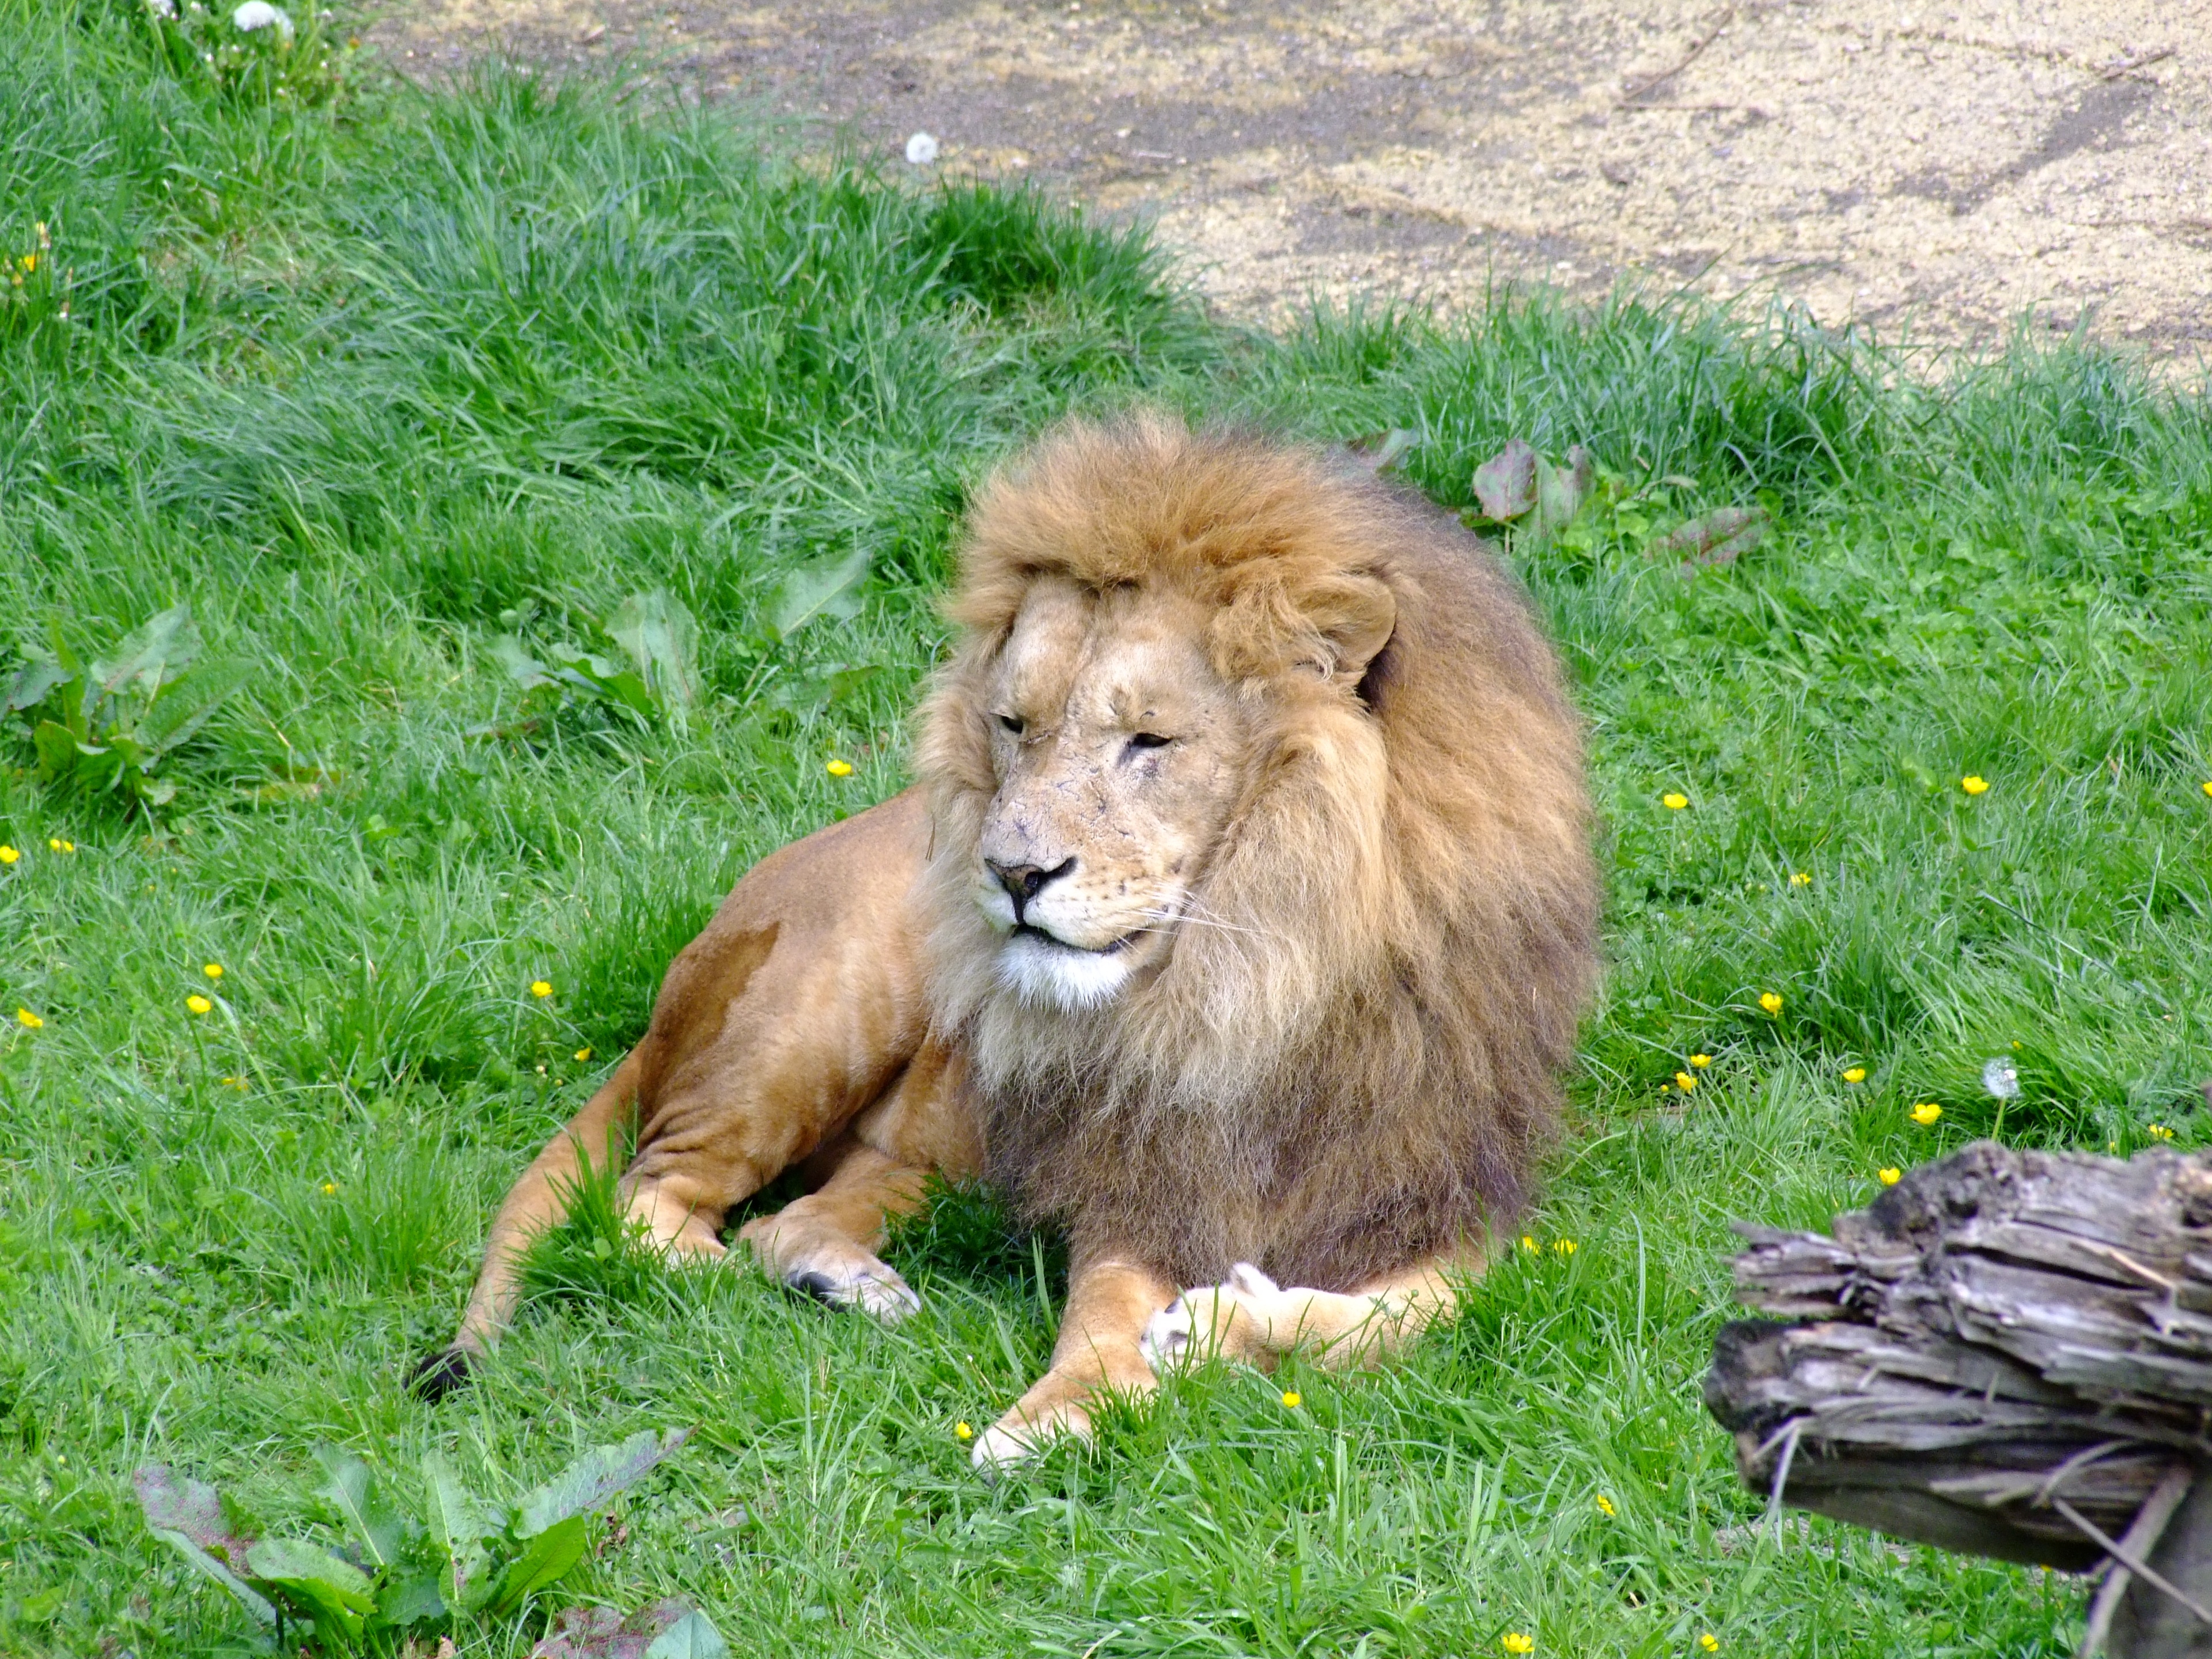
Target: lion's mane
(1350,1060)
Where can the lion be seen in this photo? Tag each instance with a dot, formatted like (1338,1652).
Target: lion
(1238,926)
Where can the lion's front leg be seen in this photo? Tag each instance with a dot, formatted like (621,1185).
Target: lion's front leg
(1254,1321)
(1099,1351)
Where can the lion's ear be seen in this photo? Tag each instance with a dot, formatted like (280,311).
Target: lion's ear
(1354,618)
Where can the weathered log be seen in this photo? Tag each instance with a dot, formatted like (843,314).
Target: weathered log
(2007,1355)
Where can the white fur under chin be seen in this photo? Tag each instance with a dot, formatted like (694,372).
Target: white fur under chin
(1058,977)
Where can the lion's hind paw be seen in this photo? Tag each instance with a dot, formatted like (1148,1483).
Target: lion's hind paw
(1216,1319)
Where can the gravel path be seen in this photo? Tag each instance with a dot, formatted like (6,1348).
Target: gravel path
(1932,170)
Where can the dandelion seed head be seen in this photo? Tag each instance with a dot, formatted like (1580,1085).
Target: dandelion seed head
(2001,1079)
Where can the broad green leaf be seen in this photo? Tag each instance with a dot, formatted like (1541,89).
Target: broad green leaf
(289,1561)
(57,751)
(160,648)
(662,638)
(592,1478)
(411,1601)
(183,706)
(459,1526)
(524,669)
(627,689)
(353,1488)
(1561,491)
(826,588)
(335,1594)
(32,684)
(546,1557)
(691,1637)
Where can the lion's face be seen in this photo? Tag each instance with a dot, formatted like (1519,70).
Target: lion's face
(1118,755)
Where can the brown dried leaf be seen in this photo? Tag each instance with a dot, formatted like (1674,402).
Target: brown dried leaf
(1505,484)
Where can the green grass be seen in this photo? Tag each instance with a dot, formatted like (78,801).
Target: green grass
(357,373)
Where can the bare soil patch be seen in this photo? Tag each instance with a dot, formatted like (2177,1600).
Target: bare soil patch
(1934,170)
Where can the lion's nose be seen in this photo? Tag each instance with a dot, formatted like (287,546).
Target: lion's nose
(1022,882)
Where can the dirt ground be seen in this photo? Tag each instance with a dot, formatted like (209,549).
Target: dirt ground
(1932,169)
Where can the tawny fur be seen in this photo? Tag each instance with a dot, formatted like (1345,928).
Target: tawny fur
(1335,1060)
(1354,1068)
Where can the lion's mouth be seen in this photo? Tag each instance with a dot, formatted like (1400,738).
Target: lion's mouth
(1030,930)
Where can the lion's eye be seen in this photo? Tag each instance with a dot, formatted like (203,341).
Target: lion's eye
(1148,741)
(1014,723)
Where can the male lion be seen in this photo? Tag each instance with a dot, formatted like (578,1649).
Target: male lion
(1239,925)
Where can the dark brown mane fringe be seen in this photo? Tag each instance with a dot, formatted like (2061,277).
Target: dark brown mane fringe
(1363,1070)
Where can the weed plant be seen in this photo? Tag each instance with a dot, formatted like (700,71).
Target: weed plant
(369,376)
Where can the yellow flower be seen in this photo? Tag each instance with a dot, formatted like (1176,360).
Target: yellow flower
(1673,802)
(1564,1246)
(2208,787)
(1292,1399)
(583,1054)
(1605,1505)
(840,769)
(212,970)
(1799,878)
(1700,1062)
(55,844)
(1710,1642)
(198,1004)
(1514,1642)
(9,855)
(1889,1177)
(1926,1113)
(27,1020)
(237,1083)
(1684,1082)
(962,1432)
(539,988)
(330,1189)
(1974,785)
(2159,1132)
(1855,1074)
(1527,1243)
(30,262)
(1770,1001)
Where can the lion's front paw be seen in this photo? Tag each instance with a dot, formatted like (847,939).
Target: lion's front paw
(1231,1320)
(873,1288)
(1016,1437)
